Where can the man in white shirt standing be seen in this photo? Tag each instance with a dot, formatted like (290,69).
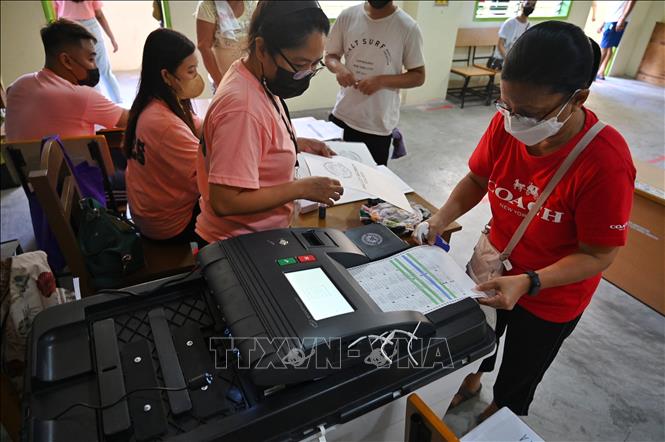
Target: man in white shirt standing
(378,41)
(509,32)
(612,29)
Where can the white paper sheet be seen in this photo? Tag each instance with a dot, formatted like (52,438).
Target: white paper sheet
(357,176)
(353,151)
(309,127)
(350,195)
(504,425)
(423,278)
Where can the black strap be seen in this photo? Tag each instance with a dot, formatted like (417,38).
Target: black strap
(287,124)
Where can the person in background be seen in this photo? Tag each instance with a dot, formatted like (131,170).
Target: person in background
(247,160)
(577,233)
(61,99)
(612,29)
(221,33)
(89,14)
(509,32)
(162,139)
(378,41)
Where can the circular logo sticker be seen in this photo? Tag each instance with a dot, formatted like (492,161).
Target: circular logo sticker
(371,239)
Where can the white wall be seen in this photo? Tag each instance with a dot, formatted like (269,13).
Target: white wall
(636,37)
(130,22)
(183,20)
(21,49)
(438,25)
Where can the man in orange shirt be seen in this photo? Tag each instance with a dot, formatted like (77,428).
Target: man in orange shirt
(60,99)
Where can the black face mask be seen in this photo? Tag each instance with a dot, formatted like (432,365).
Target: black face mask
(92,77)
(378,4)
(284,86)
(527,10)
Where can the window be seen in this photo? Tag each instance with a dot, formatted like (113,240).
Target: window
(333,8)
(502,9)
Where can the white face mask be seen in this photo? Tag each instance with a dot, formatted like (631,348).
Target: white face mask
(529,130)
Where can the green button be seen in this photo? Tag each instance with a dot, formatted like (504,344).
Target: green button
(286,261)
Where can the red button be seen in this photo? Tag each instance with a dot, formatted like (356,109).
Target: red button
(307,258)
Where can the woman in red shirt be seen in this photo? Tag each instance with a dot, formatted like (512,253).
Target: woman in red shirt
(578,231)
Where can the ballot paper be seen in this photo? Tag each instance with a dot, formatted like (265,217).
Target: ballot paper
(353,151)
(350,195)
(423,278)
(309,127)
(503,425)
(358,176)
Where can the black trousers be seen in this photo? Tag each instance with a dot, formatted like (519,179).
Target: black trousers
(379,145)
(530,347)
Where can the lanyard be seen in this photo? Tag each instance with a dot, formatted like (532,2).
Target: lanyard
(288,126)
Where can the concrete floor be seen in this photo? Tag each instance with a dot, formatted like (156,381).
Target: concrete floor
(608,381)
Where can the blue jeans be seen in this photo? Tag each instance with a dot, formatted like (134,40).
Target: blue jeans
(106,77)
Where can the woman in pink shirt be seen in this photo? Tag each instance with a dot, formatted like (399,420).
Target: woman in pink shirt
(161,140)
(89,14)
(246,164)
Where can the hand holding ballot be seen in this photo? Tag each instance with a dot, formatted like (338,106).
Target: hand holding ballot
(358,173)
(320,189)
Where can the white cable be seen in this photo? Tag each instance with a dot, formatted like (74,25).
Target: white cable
(388,340)
(322,437)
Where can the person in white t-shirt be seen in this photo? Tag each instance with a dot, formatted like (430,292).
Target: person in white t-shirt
(378,41)
(509,32)
(612,29)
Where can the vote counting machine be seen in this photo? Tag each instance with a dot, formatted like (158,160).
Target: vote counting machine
(268,339)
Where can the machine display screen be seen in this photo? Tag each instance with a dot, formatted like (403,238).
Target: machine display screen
(318,293)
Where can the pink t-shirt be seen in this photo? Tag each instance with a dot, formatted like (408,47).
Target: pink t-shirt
(77,10)
(246,146)
(161,178)
(43,103)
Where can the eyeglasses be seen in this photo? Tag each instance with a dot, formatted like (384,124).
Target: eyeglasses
(300,75)
(505,110)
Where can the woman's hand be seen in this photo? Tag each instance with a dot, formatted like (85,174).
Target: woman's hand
(435,227)
(115,45)
(320,189)
(509,289)
(315,147)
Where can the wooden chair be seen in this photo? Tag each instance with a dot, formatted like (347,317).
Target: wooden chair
(23,157)
(473,38)
(423,425)
(58,194)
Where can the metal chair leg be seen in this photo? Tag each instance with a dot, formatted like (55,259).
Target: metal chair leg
(490,85)
(466,84)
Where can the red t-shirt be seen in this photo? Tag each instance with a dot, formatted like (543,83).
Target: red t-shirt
(591,204)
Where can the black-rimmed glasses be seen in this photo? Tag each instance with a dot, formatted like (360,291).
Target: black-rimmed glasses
(300,75)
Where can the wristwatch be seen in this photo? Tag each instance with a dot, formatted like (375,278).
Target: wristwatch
(534,288)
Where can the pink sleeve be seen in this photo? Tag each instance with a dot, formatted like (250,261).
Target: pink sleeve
(97,5)
(100,110)
(235,153)
(181,147)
